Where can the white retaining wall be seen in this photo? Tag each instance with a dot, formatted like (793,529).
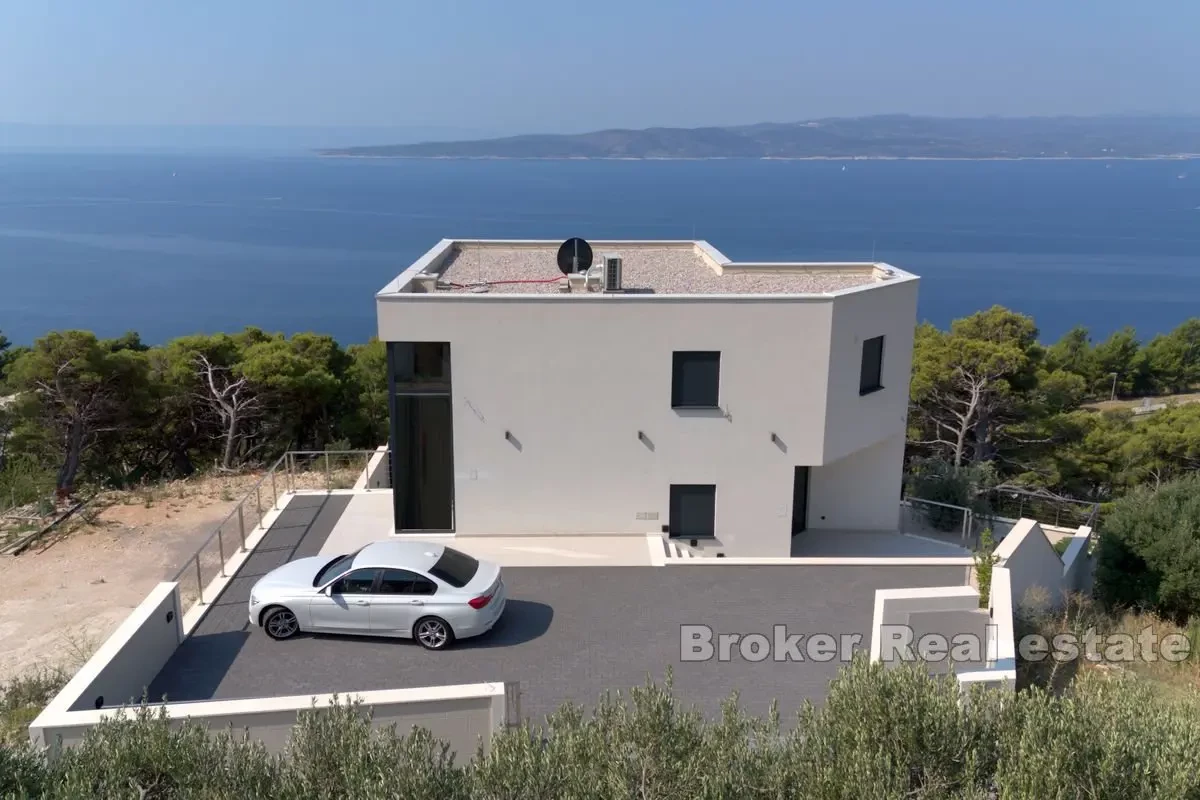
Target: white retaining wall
(1027,570)
(462,716)
(375,476)
(1036,569)
(124,666)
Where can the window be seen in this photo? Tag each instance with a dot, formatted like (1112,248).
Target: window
(361,581)
(455,568)
(335,567)
(422,435)
(695,379)
(421,365)
(870,378)
(401,581)
(693,511)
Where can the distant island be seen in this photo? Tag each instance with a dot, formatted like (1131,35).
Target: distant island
(882,137)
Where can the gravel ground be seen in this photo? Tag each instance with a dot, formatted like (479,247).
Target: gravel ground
(657,270)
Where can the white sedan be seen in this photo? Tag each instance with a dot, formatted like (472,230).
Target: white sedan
(397,588)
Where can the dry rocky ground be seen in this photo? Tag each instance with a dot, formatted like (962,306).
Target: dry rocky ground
(66,594)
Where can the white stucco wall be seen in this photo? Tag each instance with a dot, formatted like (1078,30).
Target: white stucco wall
(574,378)
(124,666)
(853,422)
(874,473)
(1036,570)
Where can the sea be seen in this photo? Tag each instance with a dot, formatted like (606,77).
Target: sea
(170,244)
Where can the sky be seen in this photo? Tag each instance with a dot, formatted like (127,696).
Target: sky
(520,66)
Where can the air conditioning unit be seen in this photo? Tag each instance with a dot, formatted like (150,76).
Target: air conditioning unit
(612,272)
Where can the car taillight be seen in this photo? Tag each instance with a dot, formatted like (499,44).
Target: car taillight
(479,602)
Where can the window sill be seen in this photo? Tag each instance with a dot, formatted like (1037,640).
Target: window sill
(697,538)
(696,408)
(872,390)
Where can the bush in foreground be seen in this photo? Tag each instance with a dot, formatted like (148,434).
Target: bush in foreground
(1149,552)
(880,734)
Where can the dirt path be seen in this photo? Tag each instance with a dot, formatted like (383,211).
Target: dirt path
(67,595)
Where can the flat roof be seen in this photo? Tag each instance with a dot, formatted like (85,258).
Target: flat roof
(649,267)
(568,633)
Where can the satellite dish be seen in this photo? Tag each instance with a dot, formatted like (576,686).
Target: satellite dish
(574,255)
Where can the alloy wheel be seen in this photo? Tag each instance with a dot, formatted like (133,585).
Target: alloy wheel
(282,624)
(432,633)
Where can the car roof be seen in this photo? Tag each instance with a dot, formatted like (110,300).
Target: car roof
(399,553)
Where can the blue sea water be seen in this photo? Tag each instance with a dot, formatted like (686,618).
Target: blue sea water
(173,244)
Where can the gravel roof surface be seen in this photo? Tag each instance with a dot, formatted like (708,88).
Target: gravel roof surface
(649,269)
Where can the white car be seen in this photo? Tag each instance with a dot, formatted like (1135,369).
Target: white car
(404,589)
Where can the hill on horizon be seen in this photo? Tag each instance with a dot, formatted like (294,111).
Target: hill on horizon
(888,136)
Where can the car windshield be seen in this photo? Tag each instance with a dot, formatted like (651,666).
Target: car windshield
(334,568)
(455,568)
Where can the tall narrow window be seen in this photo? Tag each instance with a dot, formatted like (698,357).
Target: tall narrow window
(695,379)
(870,378)
(422,436)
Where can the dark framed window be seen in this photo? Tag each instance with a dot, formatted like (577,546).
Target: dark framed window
(361,581)
(421,365)
(870,377)
(695,379)
(401,581)
(422,435)
(693,511)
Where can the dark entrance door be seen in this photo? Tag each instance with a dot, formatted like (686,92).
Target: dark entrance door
(800,501)
(422,436)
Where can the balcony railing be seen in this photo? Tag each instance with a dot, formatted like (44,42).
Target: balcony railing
(294,471)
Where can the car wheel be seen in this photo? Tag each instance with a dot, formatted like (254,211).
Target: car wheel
(433,633)
(280,623)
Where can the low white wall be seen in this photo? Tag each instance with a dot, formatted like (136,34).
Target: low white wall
(1036,569)
(375,475)
(895,606)
(1002,651)
(124,666)
(1078,563)
(1003,526)
(966,562)
(990,678)
(460,715)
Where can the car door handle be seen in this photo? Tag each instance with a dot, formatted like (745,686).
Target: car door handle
(362,602)
(416,602)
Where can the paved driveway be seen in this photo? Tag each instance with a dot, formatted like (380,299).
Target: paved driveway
(569,633)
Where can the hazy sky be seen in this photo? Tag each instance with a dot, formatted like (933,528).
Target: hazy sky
(556,65)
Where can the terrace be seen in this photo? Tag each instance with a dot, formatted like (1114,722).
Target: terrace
(569,633)
(587,615)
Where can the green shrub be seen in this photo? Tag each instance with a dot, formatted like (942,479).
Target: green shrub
(23,480)
(881,733)
(22,771)
(23,698)
(985,563)
(1149,551)
(142,756)
(942,482)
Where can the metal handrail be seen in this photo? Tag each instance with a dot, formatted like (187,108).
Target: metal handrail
(287,461)
(237,510)
(968,514)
